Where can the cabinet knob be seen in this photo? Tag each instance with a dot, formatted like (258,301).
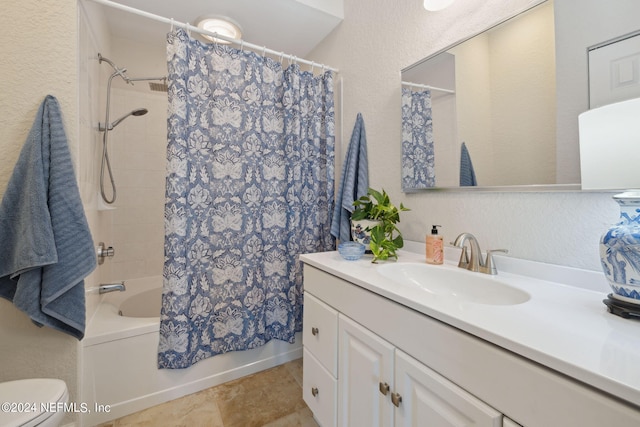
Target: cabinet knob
(314,391)
(396,399)
(315,331)
(384,388)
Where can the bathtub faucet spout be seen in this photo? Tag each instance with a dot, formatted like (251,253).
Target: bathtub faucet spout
(111,287)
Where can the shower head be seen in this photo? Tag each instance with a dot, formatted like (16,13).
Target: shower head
(136,112)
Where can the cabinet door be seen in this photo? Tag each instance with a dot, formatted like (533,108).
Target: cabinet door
(366,361)
(320,332)
(319,390)
(429,399)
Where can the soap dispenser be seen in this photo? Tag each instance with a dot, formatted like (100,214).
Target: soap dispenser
(435,246)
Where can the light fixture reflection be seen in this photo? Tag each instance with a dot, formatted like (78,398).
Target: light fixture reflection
(435,5)
(221,25)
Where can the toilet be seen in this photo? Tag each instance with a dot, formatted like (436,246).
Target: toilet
(33,402)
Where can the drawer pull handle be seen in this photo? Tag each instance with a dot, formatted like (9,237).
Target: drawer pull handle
(396,399)
(384,388)
(315,331)
(314,391)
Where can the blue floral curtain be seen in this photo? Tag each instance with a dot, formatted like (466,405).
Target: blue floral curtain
(250,186)
(417,140)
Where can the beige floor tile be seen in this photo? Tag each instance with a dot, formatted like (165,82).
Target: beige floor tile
(259,399)
(198,409)
(295,368)
(301,418)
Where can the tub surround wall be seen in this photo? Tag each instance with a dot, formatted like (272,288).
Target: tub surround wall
(370,47)
(93,38)
(138,147)
(137,150)
(138,157)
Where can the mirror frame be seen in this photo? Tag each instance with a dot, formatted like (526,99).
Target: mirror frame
(500,188)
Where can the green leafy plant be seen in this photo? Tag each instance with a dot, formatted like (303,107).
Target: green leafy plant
(377,206)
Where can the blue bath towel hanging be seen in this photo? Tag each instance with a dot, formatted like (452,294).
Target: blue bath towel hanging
(467,174)
(46,249)
(354,182)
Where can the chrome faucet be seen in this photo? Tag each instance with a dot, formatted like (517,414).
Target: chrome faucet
(111,287)
(473,261)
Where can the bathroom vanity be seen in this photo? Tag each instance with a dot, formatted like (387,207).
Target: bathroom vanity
(386,348)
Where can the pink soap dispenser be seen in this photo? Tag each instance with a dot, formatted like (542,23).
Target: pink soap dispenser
(435,247)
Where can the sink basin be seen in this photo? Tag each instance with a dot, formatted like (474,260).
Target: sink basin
(460,284)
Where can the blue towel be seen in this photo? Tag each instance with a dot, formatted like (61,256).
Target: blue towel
(467,174)
(46,249)
(354,182)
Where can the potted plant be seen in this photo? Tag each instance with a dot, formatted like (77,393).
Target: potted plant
(376,215)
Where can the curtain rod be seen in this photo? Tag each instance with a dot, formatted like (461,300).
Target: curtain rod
(190,27)
(421,86)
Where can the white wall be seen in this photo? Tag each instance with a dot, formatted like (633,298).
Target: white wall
(386,36)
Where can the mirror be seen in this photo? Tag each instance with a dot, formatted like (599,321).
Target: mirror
(512,95)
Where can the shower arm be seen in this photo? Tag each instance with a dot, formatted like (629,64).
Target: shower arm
(141,79)
(122,72)
(117,71)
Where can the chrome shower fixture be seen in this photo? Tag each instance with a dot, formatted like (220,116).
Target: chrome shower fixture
(122,72)
(117,71)
(136,112)
(107,126)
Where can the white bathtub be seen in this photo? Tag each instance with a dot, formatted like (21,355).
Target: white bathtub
(119,357)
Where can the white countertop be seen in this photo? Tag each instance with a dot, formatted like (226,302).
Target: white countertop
(563,327)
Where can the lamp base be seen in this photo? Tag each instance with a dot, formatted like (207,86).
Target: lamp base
(621,308)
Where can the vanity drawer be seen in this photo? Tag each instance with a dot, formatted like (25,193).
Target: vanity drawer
(319,390)
(320,334)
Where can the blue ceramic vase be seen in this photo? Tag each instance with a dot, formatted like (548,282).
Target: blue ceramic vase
(361,231)
(620,249)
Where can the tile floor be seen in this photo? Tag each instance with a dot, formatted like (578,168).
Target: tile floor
(271,398)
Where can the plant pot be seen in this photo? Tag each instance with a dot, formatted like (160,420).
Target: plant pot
(620,250)
(360,231)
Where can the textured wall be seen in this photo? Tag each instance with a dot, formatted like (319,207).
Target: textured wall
(39,51)
(39,58)
(374,42)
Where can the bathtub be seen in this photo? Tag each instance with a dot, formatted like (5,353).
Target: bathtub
(118,369)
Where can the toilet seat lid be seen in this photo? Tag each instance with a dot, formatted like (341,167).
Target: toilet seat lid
(26,397)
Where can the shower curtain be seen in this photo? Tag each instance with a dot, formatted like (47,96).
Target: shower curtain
(417,140)
(250,185)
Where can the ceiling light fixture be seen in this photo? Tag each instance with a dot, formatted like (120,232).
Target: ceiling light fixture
(435,5)
(221,25)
